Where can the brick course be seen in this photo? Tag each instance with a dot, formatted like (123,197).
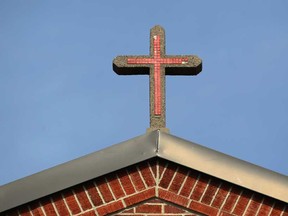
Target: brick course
(157,207)
(150,188)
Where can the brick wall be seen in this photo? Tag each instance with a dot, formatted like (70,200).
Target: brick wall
(157,207)
(153,187)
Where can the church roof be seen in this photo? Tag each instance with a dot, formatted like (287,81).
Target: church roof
(147,146)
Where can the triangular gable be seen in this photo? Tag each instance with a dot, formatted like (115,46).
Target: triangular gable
(128,187)
(154,146)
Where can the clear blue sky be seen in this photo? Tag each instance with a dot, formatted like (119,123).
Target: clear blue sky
(60,98)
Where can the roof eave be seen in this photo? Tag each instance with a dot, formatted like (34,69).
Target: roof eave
(223,166)
(79,170)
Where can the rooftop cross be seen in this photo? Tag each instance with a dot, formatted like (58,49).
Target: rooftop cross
(157,65)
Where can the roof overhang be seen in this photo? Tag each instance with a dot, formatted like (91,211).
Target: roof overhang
(147,146)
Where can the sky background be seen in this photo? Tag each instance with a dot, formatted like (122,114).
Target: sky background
(60,99)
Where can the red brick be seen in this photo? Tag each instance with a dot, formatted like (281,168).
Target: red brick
(191,214)
(266,206)
(202,208)
(60,205)
(155,200)
(178,179)
(161,166)
(200,187)
(136,179)
(139,197)
(225,214)
(71,202)
(254,205)
(189,183)
(129,214)
(129,210)
(168,175)
(38,212)
(82,197)
(126,182)
(173,209)
(89,213)
(172,197)
(221,195)
(278,208)
(153,165)
(285,212)
(93,194)
(211,191)
(36,209)
(242,202)
(147,174)
(111,207)
(48,207)
(104,190)
(148,209)
(265,209)
(231,199)
(115,186)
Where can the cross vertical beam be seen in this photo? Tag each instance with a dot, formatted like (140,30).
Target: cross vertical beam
(157,65)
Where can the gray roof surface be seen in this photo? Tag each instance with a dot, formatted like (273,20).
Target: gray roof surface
(149,145)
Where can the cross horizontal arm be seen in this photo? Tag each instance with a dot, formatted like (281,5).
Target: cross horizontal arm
(192,65)
(121,66)
(173,65)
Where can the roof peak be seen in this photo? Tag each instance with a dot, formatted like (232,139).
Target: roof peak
(144,147)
